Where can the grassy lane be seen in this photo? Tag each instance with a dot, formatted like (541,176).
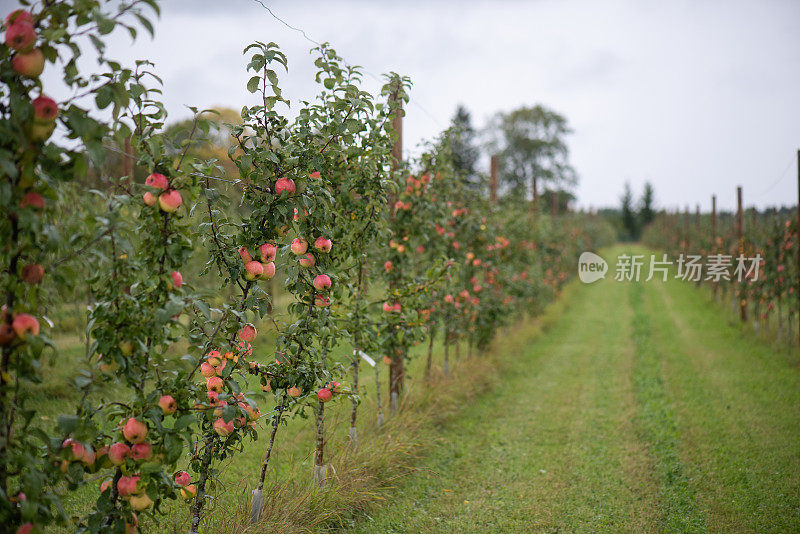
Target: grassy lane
(553,449)
(737,403)
(657,425)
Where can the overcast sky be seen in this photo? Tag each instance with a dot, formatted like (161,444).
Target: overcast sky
(695,96)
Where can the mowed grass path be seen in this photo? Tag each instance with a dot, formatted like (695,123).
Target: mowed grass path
(640,408)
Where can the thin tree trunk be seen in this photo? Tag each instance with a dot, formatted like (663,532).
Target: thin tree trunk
(428,363)
(354,412)
(197,509)
(319,454)
(446,366)
(378,395)
(258,498)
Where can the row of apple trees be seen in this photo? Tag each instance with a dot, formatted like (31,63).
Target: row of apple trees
(768,292)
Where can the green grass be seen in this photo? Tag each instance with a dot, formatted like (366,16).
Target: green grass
(658,427)
(736,403)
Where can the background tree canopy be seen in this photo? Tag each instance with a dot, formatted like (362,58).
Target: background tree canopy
(530,142)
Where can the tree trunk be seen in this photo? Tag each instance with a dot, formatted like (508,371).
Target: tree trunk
(396,379)
(258,499)
(319,452)
(428,363)
(197,509)
(354,412)
(379,420)
(446,366)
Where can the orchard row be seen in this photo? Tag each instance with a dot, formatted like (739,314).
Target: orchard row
(770,302)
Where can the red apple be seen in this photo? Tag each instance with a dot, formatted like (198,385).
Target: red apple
(168,404)
(32,273)
(268,252)
(45,109)
(29,64)
(207,370)
(149,199)
(26,528)
(213,357)
(134,431)
(323,245)
(118,452)
(25,324)
(188,492)
(248,333)
(391,307)
(299,246)
(182,478)
(284,185)
(19,15)
(324,395)
(222,428)
(177,279)
(34,200)
(307,260)
(253,269)
(388,266)
(322,302)
(333,386)
(269,270)
(170,200)
(294,391)
(245,254)
(20,35)
(77,449)
(214,384)
(105,485)
(157,180)
(141,451)
(128,485)
(322,282)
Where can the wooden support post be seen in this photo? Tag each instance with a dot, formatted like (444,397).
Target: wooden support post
(534,195)
(713,221)
(688,244)
(397,149)
(714,234)
(397,366)
(740,237)
(493,180)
